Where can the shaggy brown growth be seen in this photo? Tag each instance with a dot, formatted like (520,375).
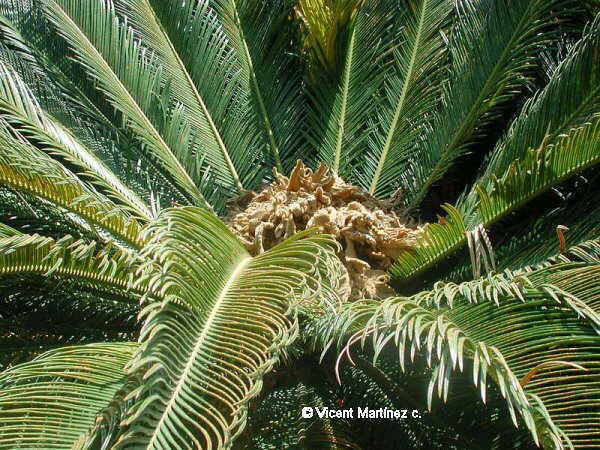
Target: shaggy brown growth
(371,234)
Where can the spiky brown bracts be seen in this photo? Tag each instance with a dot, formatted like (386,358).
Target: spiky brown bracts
(371,233)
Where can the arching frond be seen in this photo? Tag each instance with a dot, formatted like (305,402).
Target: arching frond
(532,333)
(43,313)
(182,36)
(535,169)
(20,37)
(227,315)
(538,171)
(28,169)
(7,231)
(412,92)
(494,44)
(66,291)
(32,215)
(51,401)
(19,108)
(110,56)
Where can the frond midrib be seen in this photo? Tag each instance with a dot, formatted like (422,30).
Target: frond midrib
(200,100)
(238,269)
(466,124)
(345,92)
(400,106)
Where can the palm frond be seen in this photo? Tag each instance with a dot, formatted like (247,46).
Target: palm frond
(28,169)
(532,333)
(493,46)
(570,100)
(180,36)
(534,242)
(71,98)
(20,109)
(324,28)
(228,316)
(7,231)
(33,215)
(131,82)
(535,169)
(340,107)
(65,291)
(412,92)
(51,401)
(262,34)
(22,39)
(104,269)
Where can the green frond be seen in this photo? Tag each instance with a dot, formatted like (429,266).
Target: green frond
(38,55)
(67,291)
(493,45)
(412,92)
(6,231)
(25,168)
(103,269)
(262,33)
(19,108)
(324,29)
(70,97)
(51,401)
(181,36)
(341,107)
(439,240)
(570,100)
(532,333)
(131,82)
(538,240)
(228,316)
(538,170)
(33,215)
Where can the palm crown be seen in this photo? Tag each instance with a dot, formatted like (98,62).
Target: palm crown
(166,285)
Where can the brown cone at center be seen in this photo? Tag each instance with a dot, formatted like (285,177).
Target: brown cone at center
(371,234)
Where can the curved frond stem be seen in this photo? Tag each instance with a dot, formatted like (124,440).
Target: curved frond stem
(258,92)
(148,22)
(342,104)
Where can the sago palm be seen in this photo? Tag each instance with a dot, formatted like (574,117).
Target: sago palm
(215,213)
